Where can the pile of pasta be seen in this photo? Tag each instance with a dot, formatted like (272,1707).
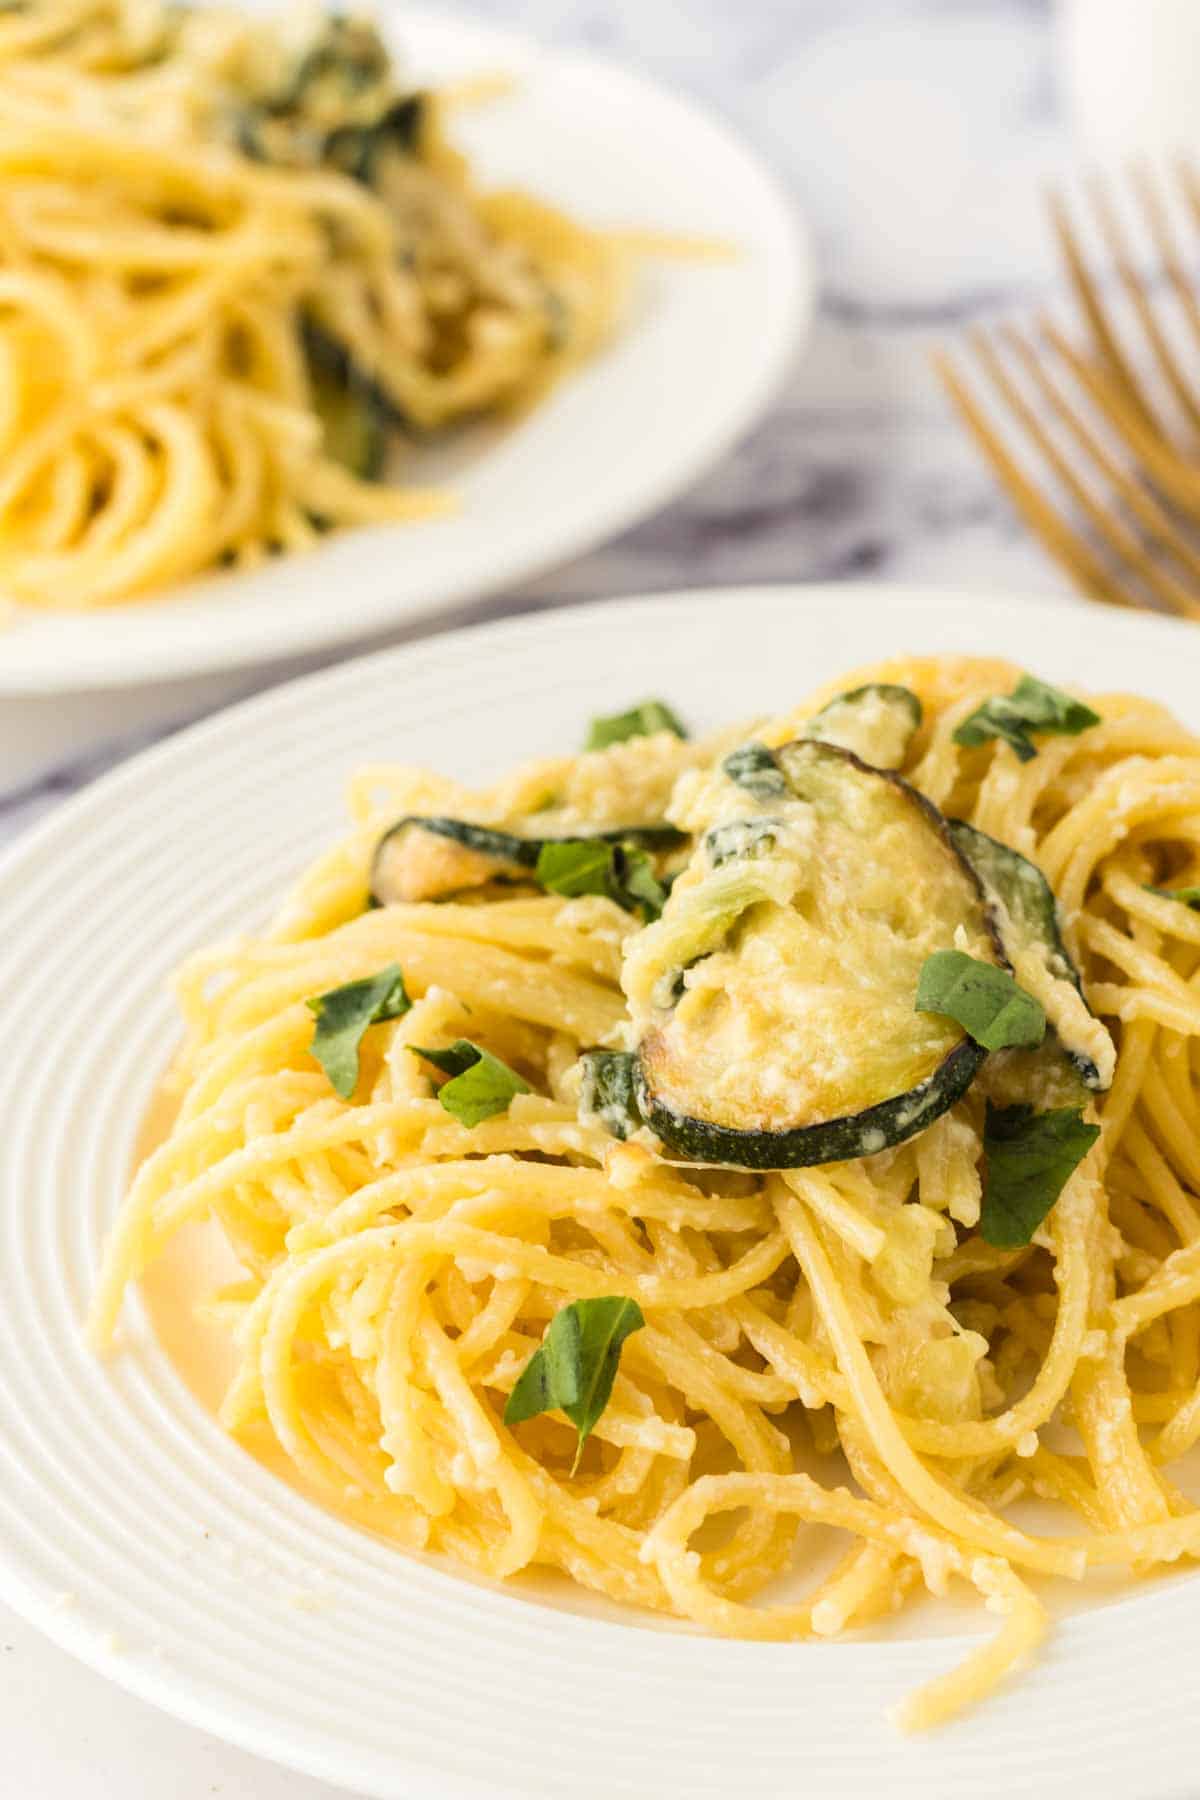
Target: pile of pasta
(835,1346)
(205,220)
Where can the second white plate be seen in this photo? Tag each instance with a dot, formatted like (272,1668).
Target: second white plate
(700,354)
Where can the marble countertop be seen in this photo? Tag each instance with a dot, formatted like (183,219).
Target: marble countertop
(917,136)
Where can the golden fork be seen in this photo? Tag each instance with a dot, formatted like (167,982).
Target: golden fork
(1129,532)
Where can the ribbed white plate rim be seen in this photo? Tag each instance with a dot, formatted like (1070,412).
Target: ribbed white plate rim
(110,1473)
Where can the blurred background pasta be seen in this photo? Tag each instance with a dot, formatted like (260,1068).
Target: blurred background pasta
(236,259)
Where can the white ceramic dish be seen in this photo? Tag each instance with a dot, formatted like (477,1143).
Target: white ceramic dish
(186,1558)
(701,352)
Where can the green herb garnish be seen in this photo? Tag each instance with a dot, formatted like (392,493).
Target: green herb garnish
(343,1015)
(480,1085)
(1029,1159)
(1186,896)
(983,999)
(1032,706)
(640,721)
(574,1368)
(622,872)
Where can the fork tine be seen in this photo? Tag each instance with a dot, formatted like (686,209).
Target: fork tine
(1086,293)
(1167,245)
(1135,288)
(1151,515)
(1077,557)
(1117,539)
(1178,479)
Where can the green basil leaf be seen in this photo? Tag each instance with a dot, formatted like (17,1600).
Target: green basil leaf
(577,866)
(1032,706)
(983,999)
(640,721)
(1029,1159)
(343,1015)
(576,1364)
(622,872)
(1186,896)
(754,767)
(633,883)
(480,1085)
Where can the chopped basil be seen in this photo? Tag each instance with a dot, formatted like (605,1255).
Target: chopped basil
(983,999)
(640,721)
(754,767)
(577,866)
(1186,896)
(343,1015)
(480,1085)
(622,872)
(1029,1159)
(1032,706)
(574,1368)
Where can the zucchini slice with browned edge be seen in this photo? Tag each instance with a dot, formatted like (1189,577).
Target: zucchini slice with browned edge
(772,1005)
(1026,915)
(876,722)
(421,858)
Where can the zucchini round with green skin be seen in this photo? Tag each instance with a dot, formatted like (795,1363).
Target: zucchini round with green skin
(753,767)
(421,858)
(608,1091)
(877,722)
(793,1038)
(1045,1078)
(354,428)
(854,1134)
(357,417)
(1026,913)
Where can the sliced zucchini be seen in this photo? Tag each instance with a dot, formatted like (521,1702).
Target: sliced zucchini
(1044,1078)
(1026,914)
(354,430)
(608,1091)
(741,838)
(754,768)
(362,150)
(355,413)
(422,858)
(792,1037)
(344,59)
(877,722)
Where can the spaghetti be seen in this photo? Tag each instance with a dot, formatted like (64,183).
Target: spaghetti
(834,1344)
(236,257)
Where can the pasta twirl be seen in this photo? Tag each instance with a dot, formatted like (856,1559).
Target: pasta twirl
(837,1344)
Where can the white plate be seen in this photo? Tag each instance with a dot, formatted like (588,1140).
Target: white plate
(116,1487)
(704,346)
